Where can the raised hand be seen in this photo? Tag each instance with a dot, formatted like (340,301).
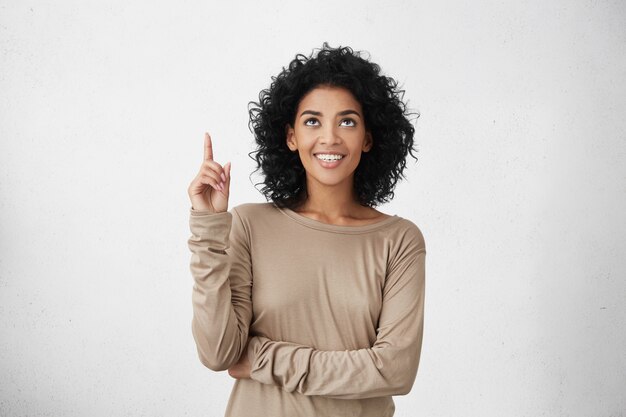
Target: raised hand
(210,188)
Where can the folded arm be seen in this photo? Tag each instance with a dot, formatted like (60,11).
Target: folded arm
(389,367)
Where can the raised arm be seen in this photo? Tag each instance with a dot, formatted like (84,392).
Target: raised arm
(389,367)
(222,304)
(220,266)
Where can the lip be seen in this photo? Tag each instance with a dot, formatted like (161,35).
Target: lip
(330,153)
(332,164)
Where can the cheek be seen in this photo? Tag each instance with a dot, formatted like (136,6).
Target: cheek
(356,159)
(305,158)
(305,139)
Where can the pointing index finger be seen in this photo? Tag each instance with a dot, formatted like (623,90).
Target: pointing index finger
(208,147)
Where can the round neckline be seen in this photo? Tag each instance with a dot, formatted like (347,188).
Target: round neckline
(316,224)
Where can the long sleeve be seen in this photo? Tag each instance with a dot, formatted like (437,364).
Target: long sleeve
(221,269)
(388,368)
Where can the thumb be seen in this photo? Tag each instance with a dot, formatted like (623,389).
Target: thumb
(227,169)
(226,190)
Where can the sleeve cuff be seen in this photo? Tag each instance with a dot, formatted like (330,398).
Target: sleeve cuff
(195,212)
(212,228)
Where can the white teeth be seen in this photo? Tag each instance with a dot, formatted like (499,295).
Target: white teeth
(329,157)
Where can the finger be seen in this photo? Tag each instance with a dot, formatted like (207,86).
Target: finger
(214,177)
(213,167)
(205,179)
(227,169)
(208,147)
(225,178)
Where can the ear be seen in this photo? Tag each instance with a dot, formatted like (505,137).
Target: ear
(290,138)
(368,142)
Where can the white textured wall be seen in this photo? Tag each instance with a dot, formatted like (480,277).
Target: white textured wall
(520,192)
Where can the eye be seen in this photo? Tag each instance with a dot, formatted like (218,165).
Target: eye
(306,122)
(351,121)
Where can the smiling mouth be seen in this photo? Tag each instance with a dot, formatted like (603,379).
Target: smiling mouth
(329,157)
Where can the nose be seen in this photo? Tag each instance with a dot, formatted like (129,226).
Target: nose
(329,135)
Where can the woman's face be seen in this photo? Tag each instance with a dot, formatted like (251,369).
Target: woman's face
(329,135)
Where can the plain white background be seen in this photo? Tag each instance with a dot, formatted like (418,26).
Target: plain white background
(520,191)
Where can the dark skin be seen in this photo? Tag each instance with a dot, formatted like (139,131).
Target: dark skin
(328,119)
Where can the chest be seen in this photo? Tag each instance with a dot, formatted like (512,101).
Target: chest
(337,279)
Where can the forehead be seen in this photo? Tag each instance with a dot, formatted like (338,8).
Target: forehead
(329,97)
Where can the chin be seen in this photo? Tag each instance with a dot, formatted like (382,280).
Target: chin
(331,181)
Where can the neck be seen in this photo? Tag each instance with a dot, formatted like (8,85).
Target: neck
(334,201)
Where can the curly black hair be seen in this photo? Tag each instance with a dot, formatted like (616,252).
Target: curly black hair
(386,118)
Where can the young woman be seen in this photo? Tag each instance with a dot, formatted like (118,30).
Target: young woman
(314,300)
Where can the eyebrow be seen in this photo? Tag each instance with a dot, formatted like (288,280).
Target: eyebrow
(341,113)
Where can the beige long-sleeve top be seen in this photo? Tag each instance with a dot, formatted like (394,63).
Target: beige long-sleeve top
(335,313)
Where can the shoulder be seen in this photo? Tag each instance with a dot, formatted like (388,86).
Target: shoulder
(247,210)
(257,215)
(406,245)
(408,236)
